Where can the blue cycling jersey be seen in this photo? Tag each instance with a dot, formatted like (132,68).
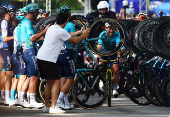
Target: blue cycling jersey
(24,32)
(109,43)
(6,29)
(69,28)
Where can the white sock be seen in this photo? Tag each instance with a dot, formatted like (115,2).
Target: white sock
(28,97)
(3,94)
(115,86)
(66,99)
(60,98)
(21,96)
(7,95)
(32,98)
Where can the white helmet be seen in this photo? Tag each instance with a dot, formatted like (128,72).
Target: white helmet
(102,5)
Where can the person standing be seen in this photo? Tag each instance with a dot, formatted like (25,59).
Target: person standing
(48,55)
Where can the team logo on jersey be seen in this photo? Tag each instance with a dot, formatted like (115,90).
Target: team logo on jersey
(30,34)
(4,30)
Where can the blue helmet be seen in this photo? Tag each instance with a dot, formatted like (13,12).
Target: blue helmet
(9,8)
(65,9)
(32,7)
(19,14)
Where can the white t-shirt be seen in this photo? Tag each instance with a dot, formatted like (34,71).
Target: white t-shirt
(53,42)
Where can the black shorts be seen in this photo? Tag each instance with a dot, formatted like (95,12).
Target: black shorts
(48,70)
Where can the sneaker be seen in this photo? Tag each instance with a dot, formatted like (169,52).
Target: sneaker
(36,105)
(71,106)
(7,102)
(63,106)
(46,110)
(12,103)
(115,94)
(56,110)
(23,104)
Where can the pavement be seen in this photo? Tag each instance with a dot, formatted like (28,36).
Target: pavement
(121,107)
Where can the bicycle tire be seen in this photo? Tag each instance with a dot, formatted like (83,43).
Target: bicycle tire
(127,72)
(144,35)
(150,89)
(158,90)
(165,92)
(109,79)
(41,90)
(135,87)
(96,29)
(85,98)
(160,40)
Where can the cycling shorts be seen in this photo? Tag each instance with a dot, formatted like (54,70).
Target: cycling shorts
(19,65)
(65,63)
(6,55)
(112,57)
(30,60)
(48,70)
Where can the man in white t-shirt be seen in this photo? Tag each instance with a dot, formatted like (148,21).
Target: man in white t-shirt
(47,57)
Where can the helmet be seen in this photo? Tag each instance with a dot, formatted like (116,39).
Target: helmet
(9,8)
(19,14)
(41,11)
(32,7)
(142,16)
(65,9)
(110,24)
(24,10)
(102,5)
(48,12)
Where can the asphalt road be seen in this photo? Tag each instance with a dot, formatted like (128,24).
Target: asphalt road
(121,107)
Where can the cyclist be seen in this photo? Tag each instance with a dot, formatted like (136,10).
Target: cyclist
(7,35)
(2,71)
(40,15)
(65,63)
(46,14)
(142,16)
(102,12)
(112,39)
(28,39)
(48,55)
(16,58)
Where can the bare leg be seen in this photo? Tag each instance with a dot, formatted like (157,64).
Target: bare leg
(21,82)
(33,84)
(67,86)
(63,81)
(55,93)
(2,80)
(8,81)
(25,85)
(47,92)
(115,69)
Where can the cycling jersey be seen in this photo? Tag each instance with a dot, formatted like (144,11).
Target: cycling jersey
(7,30)
(69,28)
(17,56)
(25,32)
(109,43)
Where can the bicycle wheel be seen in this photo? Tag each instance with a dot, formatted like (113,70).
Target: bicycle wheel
(109,79)
(97,28)
(150,89)
(166,92)
(158,90)
(41,90)
(127,72)
(135,87)
(93,98)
